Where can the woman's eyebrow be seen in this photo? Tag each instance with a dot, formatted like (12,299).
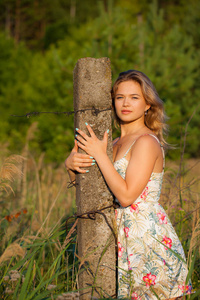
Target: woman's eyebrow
(130,94)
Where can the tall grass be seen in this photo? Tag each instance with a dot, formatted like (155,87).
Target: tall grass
(38,259)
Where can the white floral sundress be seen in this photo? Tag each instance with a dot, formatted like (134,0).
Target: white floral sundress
(147,267)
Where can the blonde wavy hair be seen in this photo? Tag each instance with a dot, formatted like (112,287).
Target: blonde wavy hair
(155,118)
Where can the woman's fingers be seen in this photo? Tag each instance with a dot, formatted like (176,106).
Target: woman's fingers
(90,130)
(84,164)
(82,134)
(83,157)
(75,149)
(83,147)
(82,171)
(80,139)
(80,165)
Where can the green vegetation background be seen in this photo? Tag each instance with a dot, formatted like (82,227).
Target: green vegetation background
(41,41)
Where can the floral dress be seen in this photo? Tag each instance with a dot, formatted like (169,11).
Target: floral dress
(151,260)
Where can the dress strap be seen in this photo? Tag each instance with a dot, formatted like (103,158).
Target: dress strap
(163,152)
(129,148)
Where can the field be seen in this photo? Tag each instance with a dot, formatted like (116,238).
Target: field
(37,259)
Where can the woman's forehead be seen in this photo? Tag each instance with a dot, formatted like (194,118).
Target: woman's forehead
(129,86)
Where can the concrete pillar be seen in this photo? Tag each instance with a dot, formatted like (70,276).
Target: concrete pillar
(96,245)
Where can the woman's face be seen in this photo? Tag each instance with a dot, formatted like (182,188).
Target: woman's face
(129,102)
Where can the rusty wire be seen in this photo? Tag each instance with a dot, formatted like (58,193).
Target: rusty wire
(95,111)
(91,215)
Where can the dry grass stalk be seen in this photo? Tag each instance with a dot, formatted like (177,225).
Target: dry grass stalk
(195,238)
(50,210)
(25,152)
(40,208)
(12,250)
(68,237)
(10,170)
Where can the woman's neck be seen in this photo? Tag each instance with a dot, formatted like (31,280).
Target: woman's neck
(134,128)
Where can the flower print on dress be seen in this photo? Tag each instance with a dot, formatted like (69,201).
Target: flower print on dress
(167,241)
(129,263)
(133,254)
(134,208)
(149,279)
(126,230)
(144,193)
(162,217)
(135,296)
(185,288)
(120,249)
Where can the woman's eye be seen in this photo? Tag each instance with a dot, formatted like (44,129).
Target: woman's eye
(135,98)
(119,98)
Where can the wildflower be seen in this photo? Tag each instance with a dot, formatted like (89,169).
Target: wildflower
(51,286)
(6,278)
(167,241)
(149,279)
(17,214)
(9,218)
(134,208)
(181,209)
(8,291)
(126,230)
(14,275)
(120,249)
(162,217)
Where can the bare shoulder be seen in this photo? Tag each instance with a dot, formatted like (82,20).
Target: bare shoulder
(147,143)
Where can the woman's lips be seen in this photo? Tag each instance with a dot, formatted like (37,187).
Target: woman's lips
(125,112)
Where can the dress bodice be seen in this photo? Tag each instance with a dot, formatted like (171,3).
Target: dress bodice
(151,192)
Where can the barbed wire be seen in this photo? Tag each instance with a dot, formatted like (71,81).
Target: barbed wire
(91,215)
(95,111)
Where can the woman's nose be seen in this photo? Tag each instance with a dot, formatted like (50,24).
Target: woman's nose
(126,101)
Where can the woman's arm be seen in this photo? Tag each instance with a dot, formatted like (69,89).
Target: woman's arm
(143,157)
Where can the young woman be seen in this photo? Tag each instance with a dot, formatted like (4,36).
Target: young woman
(147,243)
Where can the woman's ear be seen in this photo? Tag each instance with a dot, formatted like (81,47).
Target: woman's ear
(147,107)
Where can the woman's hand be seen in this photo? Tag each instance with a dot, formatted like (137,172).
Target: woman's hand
(91,144)
(76,161)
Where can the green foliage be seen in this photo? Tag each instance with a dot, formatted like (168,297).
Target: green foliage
(133,36)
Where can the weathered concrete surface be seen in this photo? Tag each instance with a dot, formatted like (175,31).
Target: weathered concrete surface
(96,245)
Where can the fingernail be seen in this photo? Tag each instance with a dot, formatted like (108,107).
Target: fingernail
(93,163)
(75,135)
(91,157)
(87,171)
(86,123)
(76,129)
(94,160)
(108,131)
